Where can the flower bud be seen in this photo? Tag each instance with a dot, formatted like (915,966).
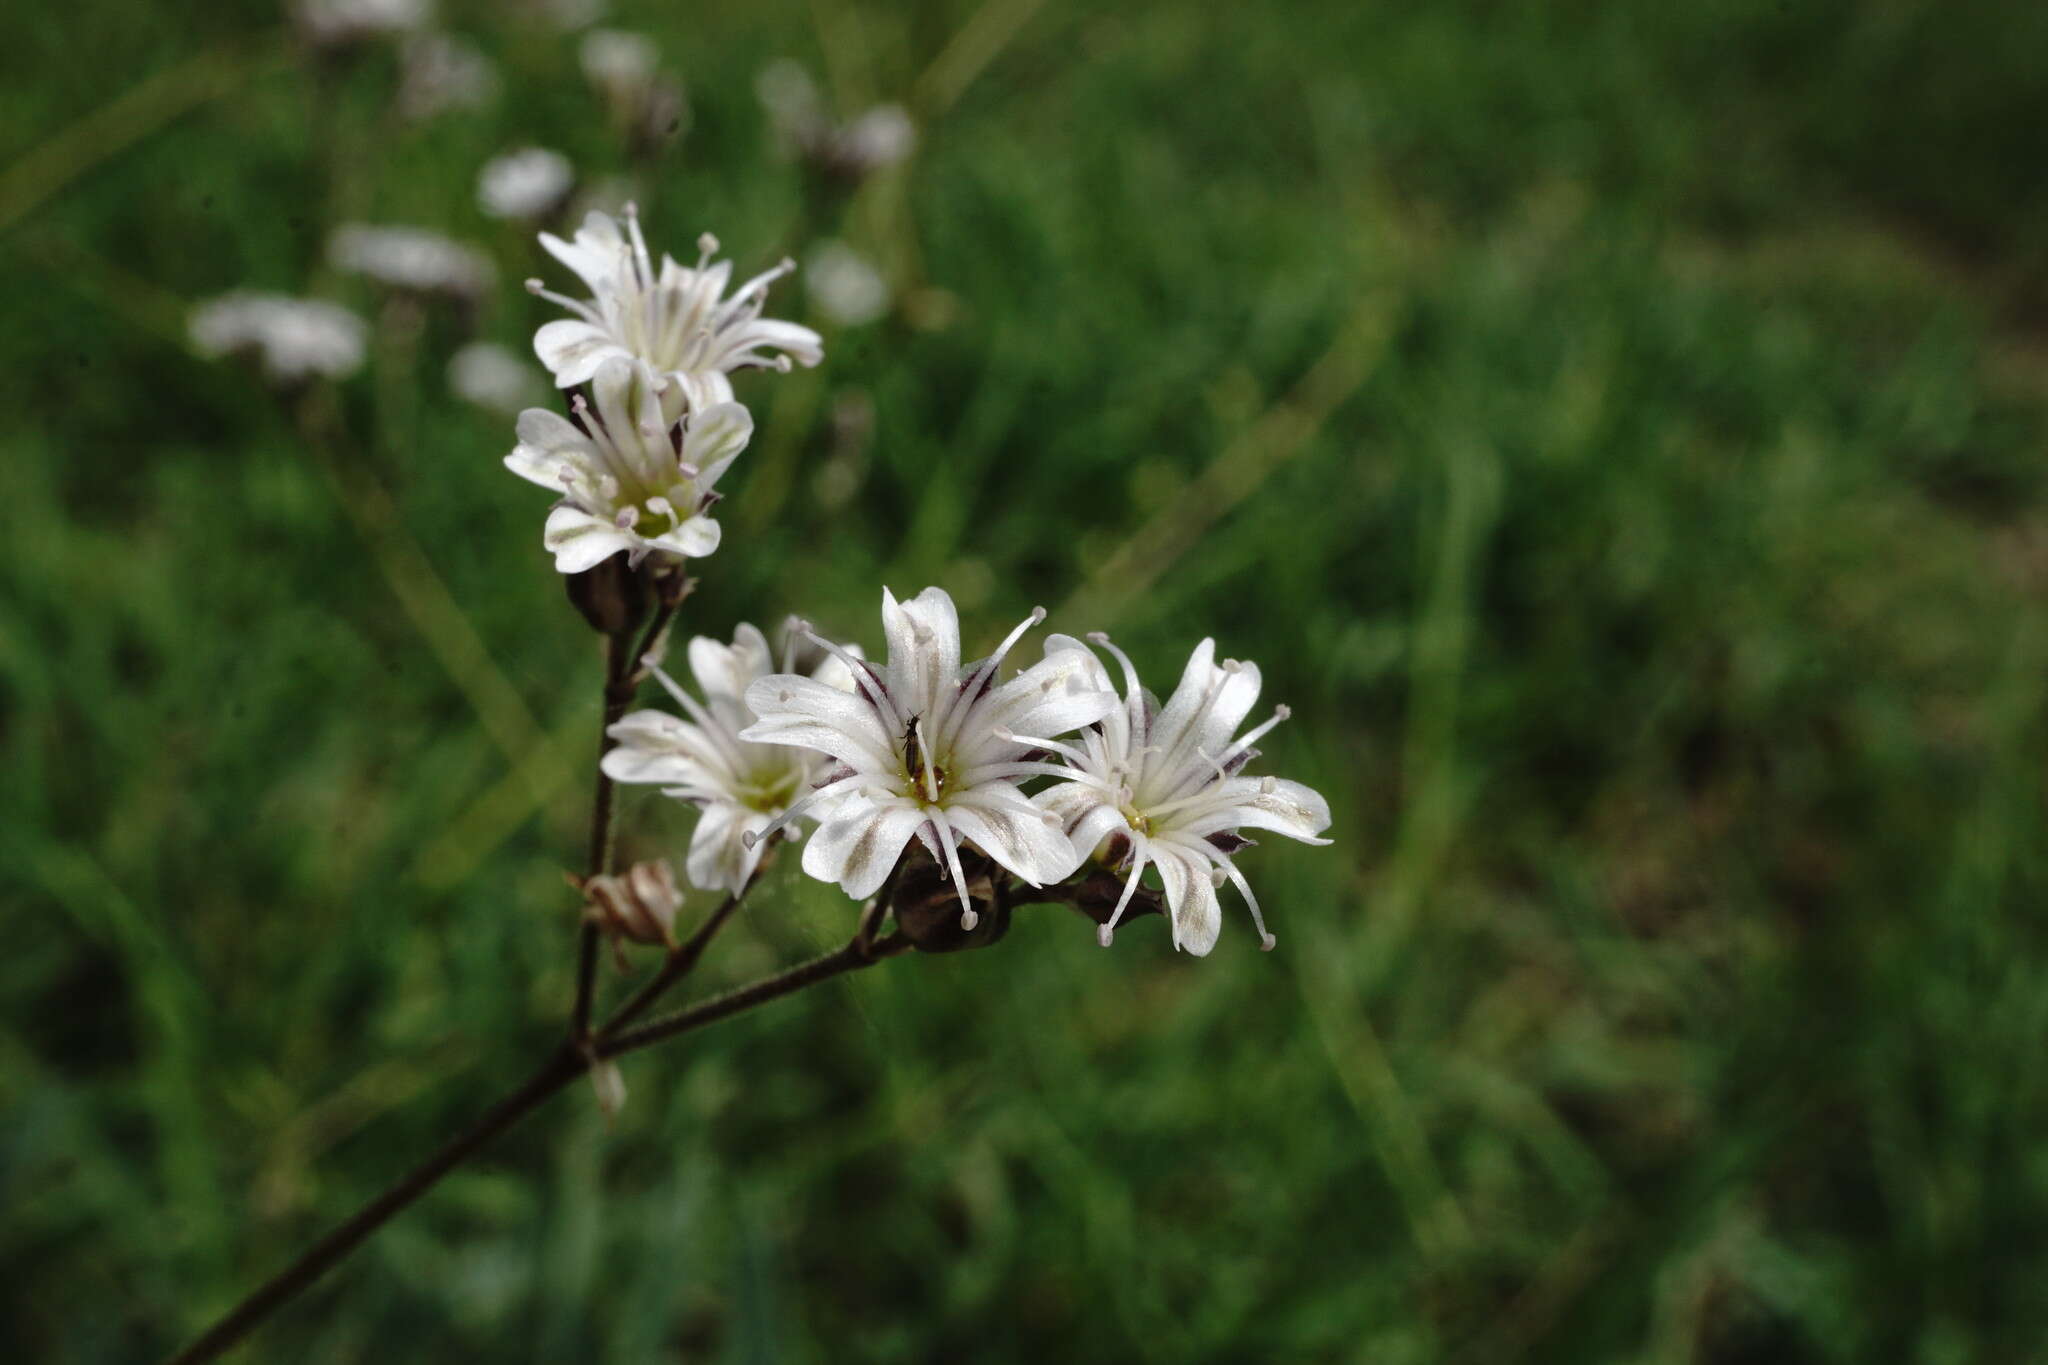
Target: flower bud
(638,905)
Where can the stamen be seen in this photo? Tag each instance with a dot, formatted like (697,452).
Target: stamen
(985,672)
(1139,856)
(930,772)
(1253,735)
(1132,690)
(1266,940)
(968,919)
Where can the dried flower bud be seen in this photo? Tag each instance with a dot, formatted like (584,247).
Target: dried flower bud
(638,905)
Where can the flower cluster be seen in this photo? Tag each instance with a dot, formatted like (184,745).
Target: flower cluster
(870,757)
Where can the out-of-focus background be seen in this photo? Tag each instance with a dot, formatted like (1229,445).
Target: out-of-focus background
(1616,430)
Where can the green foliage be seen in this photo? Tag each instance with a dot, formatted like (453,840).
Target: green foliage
(1653,557)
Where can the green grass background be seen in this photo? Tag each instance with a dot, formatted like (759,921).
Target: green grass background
(1616,429)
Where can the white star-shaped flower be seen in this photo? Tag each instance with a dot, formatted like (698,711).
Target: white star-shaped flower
(635,475)
(743,789)
(1168,784)
(921,748)
(294,338)
(679,319)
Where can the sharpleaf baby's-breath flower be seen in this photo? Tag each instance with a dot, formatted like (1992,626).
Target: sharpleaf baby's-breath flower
(743,789)
(678,319)
(635,472)
(1165,788)
(530,182)
(294,339)
(410,258)
(921,749)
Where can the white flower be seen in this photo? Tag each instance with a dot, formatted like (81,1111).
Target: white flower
(679,321)
(345,21)
(294,338)
(743,789)
(921,747)
(881,136)
(1167,782)
(492,377)
(621,65)
(410,258)
(631,480)
(438,71)
(844,286)
(528,183)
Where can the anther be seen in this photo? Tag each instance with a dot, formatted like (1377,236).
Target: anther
(1104,935)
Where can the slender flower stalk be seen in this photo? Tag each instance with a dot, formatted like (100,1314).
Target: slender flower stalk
(1165,788)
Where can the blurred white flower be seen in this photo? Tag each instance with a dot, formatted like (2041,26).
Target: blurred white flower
(1164,787)
(678,320)
(328,22)
(843,285)
(438,72)
(294,339)
(922,750)
(629,482)
(880,136)
(410,258)
(568,15)
(621,65)
(742,789)
(528,183)
(492,377)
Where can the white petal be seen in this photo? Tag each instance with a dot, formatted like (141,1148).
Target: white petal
(1190,896)
(695,538)
(726,670)
(1087,815)
(858,845)
(1015,833)
(572,349)
(581,541)
(804,346)
(547,441)
(1289,808)
(595,255)
(714,438)
(833,722)
(924,650)
(719,858)
(1063,691)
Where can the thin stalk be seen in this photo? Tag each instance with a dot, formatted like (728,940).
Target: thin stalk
(674,967)
(850,958)
(618,695)
(562,1066)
